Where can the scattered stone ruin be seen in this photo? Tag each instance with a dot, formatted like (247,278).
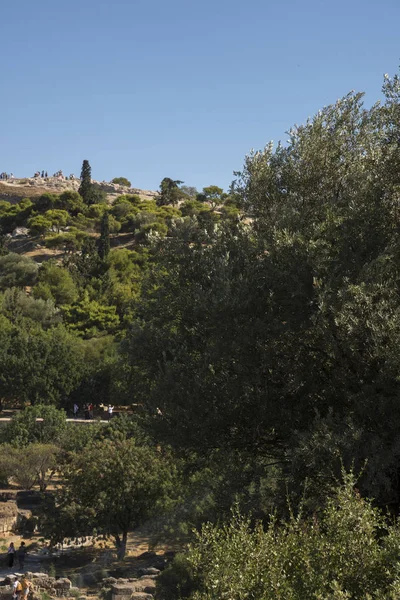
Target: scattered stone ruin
(56,588)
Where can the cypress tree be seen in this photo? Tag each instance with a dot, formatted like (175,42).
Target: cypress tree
(104,242)
(85,189)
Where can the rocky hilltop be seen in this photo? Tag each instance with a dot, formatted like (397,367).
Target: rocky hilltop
(14,189)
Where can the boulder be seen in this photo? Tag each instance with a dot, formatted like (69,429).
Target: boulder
(8,516)
(147,555)
(20,232)
(62,586)
(146,585)
(42,581)
(141,596)
(149,571)
(122,591)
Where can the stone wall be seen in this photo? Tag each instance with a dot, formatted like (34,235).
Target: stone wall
(8,516)
(56,588)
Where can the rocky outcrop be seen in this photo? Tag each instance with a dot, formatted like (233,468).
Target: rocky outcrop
(143,588)
(8,516)
(16,189)
(14,518)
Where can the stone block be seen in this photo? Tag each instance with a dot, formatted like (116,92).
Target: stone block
(145,585)
(149,571)
(62,587)
(122,590)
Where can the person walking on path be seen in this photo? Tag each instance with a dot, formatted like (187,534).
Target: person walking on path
(17,589)
(110,411)
(21,555)
(11,555)
(76,408)
(27,587)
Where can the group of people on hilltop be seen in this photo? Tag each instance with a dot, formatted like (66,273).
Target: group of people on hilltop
(88,410)
(57,175)
(5,176)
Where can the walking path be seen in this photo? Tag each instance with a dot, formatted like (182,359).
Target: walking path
(32,564)
(7,419)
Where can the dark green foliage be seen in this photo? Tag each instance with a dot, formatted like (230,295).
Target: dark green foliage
(90,318)
(58,218)
(39,225)
(212,194)
(30,465)
(17,305)
(57,283)
(38,366)
(17,271)
(45,202)
(178,580)
(24,428)
(97,195)
(115,485)
(122,181)
(104,242)
(86,264)
(169,192)
(85,189)
(277,336)
(69,242)
(71,202)
(4,244)
(256,332)
(15,215)
(345,551)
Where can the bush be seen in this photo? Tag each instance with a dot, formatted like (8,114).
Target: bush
(133,199)
(39,225)
(46,202)
(122,181)
(348,551)
(71,201)
(177,580)
(155,228)
(96,211)
(17,271)
(70,241)
(122,209)
(97,195)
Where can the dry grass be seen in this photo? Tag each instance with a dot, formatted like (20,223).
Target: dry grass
(14,193)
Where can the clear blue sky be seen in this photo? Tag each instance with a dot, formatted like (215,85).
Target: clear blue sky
(148,89)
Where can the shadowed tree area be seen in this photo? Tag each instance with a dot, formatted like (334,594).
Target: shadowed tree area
(253,335)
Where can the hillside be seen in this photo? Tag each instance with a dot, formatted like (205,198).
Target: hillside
(16,189)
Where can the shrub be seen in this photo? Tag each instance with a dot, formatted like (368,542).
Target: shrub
(348,551)
(122,181)
(39,225)
(17,271)
(122,209)
(177,580)
(155,228)
(46,201)
(71,201)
